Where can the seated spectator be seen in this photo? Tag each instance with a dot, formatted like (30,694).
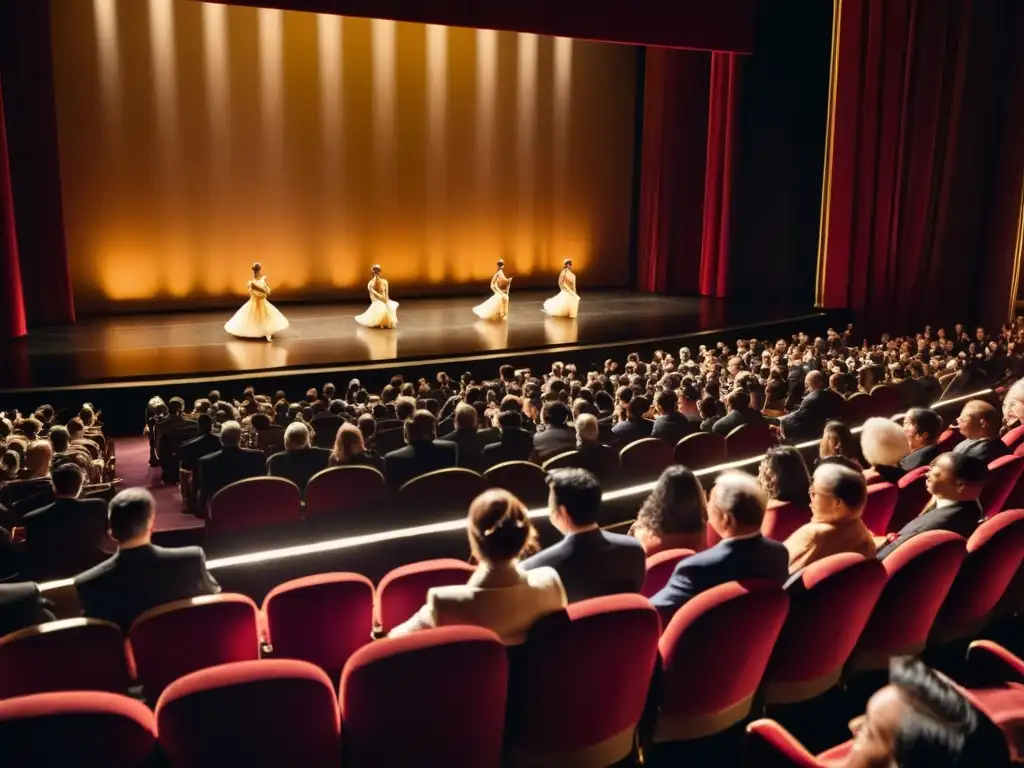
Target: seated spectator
(979,423)
(783,475)
(709,412)
(140,575)
(80,437)
(670,424)
(1013,406)
(736,508)
(10,465)
(423,451)
(838,440)
(838,496)
(590,562)
(471,454)
(299,460)
(955,481)
(349,449)
(634,427)
(21,606)
(515,443)
(920,720)
(65,453)
(558,435)
(674,515)
(230,464)
(600,460)
(70,534)
(739,413)
(38,455)
(884,445)
(819,405)
(775,393)
(193,450)
(922,427)
(499,595)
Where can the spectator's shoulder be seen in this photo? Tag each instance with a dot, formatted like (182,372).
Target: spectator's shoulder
(179,553)
(95,572)
(622,540)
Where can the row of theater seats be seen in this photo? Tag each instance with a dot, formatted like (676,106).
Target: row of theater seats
(931,591)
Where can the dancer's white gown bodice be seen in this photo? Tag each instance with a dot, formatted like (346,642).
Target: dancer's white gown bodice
(257,318)
(567,302)
(496,307)
(382,311)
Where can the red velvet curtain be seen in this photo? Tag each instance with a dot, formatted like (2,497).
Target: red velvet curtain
(690,132)
(927,120)
(12,306)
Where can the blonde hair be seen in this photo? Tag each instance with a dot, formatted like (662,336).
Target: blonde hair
(1013,397)
(883,442)
(347,443)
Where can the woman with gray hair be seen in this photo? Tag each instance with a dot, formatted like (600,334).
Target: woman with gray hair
(883,444)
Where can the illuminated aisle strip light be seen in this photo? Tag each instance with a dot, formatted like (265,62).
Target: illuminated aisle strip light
(459,524)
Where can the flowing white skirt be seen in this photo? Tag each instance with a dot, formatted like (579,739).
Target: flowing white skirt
(379,315)
(495,308)
(565,304)
(255,319)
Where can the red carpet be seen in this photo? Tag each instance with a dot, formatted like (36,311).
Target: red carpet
(133,468)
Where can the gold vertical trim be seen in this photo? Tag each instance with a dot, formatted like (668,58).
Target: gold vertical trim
(1018,255)
(830,134)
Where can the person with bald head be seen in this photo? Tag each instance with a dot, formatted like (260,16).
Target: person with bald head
(819,406)
(736,509)
(979,423)
(230,463)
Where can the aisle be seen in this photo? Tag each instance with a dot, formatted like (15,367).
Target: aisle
(133,468)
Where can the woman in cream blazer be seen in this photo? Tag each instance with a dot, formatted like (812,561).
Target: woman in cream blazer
(498,595)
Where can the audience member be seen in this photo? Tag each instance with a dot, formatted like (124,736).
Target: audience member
(558,436)
(193,450)
(838,440)
(590,562)
(674,515)
(979,423)
(884,444)
(423,451)
(635,426)
(670,425)
(21,606)
(922,427)
(818,406)
(230,464)
(299,460)
(783,476)
(514,444)
(737,403)
(350,449)
(600,460)
(466,436)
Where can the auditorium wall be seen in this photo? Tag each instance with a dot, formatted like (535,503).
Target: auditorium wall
(197,138)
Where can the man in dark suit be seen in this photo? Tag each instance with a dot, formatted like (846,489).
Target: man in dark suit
(739,413)
(634,427)
(326,425)
(979,423)
(600,460)
(191,452)
(558,436)
(230,463)
(955,481)
(140,576)
(423,452)
(922,427)
(670,425)
(471,454)
(735,510)
(299,461)
(819,405)
(590,562)
(70,534)
(516,444)
(22,606)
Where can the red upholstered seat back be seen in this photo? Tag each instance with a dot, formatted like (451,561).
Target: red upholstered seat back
(780,521)
(858,409)
(617,634)
(885,401)
(252,503)
(337,489)
(659,569)
(523,478)
(769,745)
(449,491)
(278,712)
(881,504)
(171,640)
(76,728)
(949,439)
(700,450)
(645,459)
(68,655)
(404,590)
(1003,474)
(911,500)
(1014,438)
(562,461)
(322,619)
(435,697)
(748,440)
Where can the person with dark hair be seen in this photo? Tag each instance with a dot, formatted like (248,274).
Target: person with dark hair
(922,426)
(921,720)
(739,413)
(558,435)
(423,451)
(140,575)
(496,307)
(838,440)
(22,606)
(257,318)
(590,562)
(634,427)
(674,515)
(783,475)
(500,595)
(838,496)
(955,481)
(979,423)
(736,509)
(709,413)
(70,534)
(192,451)
(382,312)
(514,443)
(567,302)
(819,405)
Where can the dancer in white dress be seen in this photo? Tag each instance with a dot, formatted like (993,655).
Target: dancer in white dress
(381,313)
(257,318)
(567,302)
(496,307)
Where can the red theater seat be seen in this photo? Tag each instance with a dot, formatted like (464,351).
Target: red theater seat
(949,439)
(1003,474)
(700,450)
(255,502)
(524,479)
(881,503)
(68,655)
(858,409)
(645,459)
(994,554)
(810,653)
(996,680)
(447,492)
(911,499)
(587,719)
(403,591)
(782,520)
(434,697)
(1014,438)
(769,745)
(920,573)
(322,619)
(171,640)
(76,728)
(704,690)
(337,490)
(748,440)
(659,569)
(562,461)
(275,712)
